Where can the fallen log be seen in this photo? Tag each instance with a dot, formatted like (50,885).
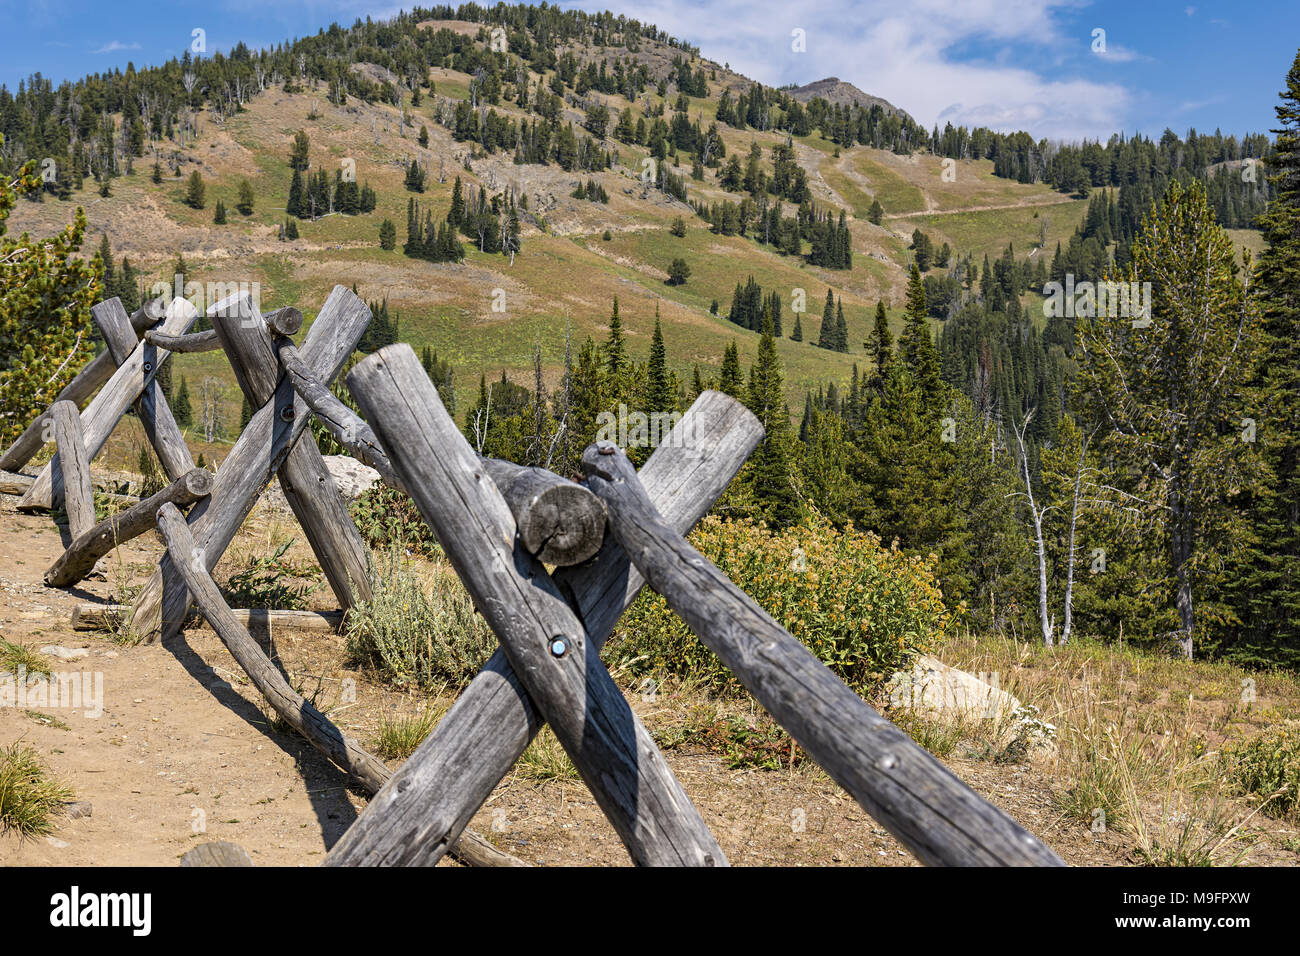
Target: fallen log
(106,617)
(936,816)
(546,643)
(79,559)
(416,816)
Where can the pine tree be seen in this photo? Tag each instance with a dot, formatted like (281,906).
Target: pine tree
(296,204)
(661,390)
(881,346)
(194,191)
(219,214)
(841,328)
(769,473)
(915,345)
(1269,591)
(1145,386)
(615,350)
(826,337)
(245,203)
(182,407)
(796,335)
(387,235)
(298,152)
(731,381)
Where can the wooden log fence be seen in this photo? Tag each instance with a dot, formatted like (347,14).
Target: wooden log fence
(546,643)
(500,524)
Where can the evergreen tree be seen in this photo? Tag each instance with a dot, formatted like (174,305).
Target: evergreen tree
(1269,585)
(731,381)
(881,346)
(298,150)
(661,390)
(219,214)
(194,191)
(245,203)
(387,235)
(826,338)
(769,472)
(296,204)
(915,345)
(182,407)
(1176,437)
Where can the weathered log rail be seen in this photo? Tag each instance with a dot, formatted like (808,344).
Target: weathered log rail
(500,524)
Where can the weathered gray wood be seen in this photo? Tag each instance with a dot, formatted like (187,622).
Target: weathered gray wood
(558,521)
(349,428)
(80,557)
(73,467)
(20,484)
(286,321)
(120,392)
(420,811)
(543,638)
(292,707)
(104,617)
(257,455)
(205,341)
(95,373)
(935,815)
(217,853)
(308,486)
(151,407)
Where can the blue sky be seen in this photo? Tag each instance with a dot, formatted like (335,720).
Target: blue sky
(1010,64)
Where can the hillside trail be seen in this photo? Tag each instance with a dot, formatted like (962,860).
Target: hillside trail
(179,755)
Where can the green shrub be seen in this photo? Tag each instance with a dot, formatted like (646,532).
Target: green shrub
(864,610)
(418,636)
(1268,764)
(269,582)
(389,518)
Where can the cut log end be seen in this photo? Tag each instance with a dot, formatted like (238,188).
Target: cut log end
(565,524)
(286,321)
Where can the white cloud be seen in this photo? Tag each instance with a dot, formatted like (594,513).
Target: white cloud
(117,46)
(982,62)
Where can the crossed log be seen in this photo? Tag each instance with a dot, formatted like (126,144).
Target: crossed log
(262,448)
(418,814)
